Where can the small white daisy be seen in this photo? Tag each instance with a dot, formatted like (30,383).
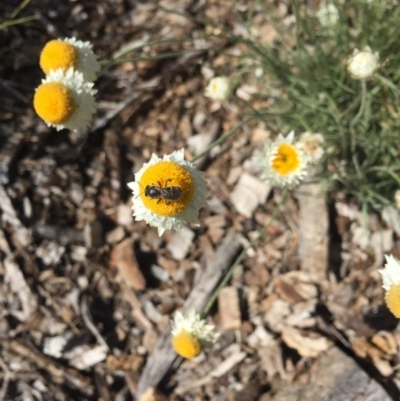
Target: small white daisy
(70,53)
(283,163)
(218,89)
(362,65)
(191,334)
(65,100)
(169,192)
(312,146)
(391,283)
(328,15)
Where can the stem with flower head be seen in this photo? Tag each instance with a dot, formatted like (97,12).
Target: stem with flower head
(242,255)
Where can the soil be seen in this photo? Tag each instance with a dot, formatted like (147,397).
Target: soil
(87,293)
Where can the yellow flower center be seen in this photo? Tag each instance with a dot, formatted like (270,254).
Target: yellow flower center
(186,345)
(58,54)
(393,299)
(286,160)
(214,87)
(54,102)
(170,188)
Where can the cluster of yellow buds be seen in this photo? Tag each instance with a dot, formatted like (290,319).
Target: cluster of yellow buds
(65,98)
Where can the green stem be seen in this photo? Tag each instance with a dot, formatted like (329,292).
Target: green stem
(354,121)
(108,63)
(256,112)
(299,24)
(17,21)
(19,9)
(149,58)
(223,138)
(242,255)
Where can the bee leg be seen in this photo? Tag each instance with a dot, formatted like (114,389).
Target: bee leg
(167,202)
(159,184)
(159,200)
(166,181)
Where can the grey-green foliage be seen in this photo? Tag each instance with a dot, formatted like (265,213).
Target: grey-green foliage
(360,125)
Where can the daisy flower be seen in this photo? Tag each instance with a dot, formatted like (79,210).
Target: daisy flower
(70,53)
(363,64)
(391,283)
(283,162)
(168,193)
(218,89)
(65,100)
(312,146)
(191,335)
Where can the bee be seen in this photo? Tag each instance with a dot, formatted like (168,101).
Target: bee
(169,194)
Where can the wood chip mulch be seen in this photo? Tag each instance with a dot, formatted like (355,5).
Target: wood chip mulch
(87,293)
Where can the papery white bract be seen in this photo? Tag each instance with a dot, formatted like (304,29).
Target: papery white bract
(391,283)
(191,334)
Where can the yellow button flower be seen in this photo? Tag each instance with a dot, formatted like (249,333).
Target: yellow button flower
(168,193)
(58,54)
(65,100)
(283,162)
(70,53)
(54,102)
(191,335)
(175,188)
(391,283)
(186,345)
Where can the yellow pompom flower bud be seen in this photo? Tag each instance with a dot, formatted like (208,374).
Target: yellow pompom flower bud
(186,345)
(65,100)
(54,102)
(168,193)
(191,335)
(70,53)
(58,54)
(178,177)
